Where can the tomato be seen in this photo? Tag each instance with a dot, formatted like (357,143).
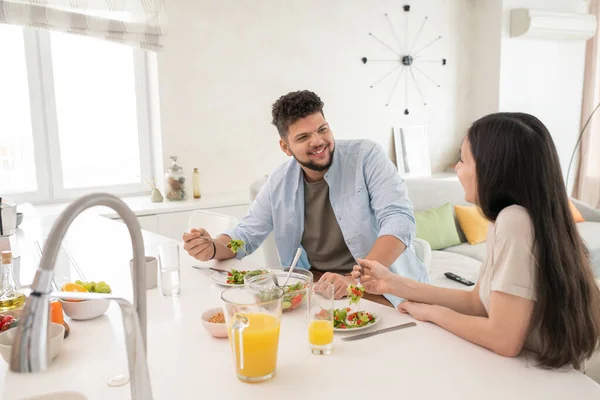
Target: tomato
(7,323)
(6,319)
(296,300)
(359,322)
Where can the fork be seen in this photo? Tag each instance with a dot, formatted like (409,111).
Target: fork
(358,284)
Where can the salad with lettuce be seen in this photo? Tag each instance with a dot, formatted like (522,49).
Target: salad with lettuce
(343,319)
(236,277)
(234,245)
(293,296)
(355,293)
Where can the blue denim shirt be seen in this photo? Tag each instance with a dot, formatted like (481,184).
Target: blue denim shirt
(368,198)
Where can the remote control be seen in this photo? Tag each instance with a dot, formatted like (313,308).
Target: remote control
(459,279)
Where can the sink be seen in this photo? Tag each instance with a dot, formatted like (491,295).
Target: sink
(58,396)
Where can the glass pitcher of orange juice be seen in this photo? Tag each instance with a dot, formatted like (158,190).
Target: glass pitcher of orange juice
(253,319)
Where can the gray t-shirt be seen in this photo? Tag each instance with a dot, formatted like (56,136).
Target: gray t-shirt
(322,239)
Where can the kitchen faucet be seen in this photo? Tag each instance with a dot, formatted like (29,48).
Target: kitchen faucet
(31,344)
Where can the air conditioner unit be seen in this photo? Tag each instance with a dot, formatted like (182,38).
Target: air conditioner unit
(539,24)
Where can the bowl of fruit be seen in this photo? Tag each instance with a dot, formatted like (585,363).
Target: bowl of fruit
(85,309)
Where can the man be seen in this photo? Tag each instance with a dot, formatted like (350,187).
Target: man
(339,201)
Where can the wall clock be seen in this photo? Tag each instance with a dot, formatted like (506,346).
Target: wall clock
(407,58)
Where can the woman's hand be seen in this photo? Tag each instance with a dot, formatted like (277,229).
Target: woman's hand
(419,311)
(373,276)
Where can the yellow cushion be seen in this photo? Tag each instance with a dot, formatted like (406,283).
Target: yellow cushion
(575,212)
(473,223)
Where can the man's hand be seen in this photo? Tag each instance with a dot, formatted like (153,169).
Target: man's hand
(340,283)
(199,244)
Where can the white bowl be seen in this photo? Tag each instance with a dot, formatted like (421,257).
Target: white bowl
(218,330)
(85,309)
(57,334)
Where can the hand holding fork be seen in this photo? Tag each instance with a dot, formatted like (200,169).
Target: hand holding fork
(200,245)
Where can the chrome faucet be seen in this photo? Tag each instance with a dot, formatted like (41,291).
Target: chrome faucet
(31,344)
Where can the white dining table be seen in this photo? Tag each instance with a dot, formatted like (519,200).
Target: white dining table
(185,362)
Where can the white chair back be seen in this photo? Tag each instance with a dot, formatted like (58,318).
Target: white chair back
(214,223)
(269,248)
(423,251)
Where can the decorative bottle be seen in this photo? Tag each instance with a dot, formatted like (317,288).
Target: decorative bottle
(196,183)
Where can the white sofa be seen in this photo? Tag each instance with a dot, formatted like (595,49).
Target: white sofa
(465,259)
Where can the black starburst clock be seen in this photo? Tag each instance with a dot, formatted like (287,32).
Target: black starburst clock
(406,60)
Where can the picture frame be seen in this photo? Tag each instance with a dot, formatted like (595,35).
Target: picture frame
(412,151)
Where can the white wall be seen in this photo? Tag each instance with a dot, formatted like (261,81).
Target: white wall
(485,58)
(545,78)
(225,62)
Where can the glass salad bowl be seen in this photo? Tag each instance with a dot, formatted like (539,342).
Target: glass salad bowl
(295,290)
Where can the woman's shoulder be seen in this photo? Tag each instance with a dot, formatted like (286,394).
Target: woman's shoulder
(515,221)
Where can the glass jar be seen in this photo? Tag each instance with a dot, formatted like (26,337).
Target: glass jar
(175,182)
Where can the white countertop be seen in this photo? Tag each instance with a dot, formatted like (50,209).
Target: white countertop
(141,205)
(423,362)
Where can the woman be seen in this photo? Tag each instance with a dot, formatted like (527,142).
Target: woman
(536,289)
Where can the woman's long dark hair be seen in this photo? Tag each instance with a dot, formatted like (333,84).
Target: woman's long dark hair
(517,163)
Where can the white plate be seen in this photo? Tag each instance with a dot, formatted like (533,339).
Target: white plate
(221,279)
(377,318)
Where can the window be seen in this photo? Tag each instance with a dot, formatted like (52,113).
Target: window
(73,116)
(17,160)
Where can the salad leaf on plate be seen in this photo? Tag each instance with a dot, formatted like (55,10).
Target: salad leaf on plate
(236,277)
(358,319)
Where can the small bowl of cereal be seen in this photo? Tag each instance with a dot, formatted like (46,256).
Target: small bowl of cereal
(213,321)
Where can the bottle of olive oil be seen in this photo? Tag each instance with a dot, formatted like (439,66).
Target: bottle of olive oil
(10,297)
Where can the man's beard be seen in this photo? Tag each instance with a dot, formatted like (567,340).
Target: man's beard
(316,167)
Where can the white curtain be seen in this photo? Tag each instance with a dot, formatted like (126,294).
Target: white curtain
(587,187)
(137,23)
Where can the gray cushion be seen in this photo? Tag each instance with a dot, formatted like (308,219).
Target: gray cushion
(475,251)
(426,193)
(590,233)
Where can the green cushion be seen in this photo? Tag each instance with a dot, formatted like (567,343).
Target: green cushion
(437,227)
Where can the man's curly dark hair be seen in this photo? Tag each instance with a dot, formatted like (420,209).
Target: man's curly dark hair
(293,106)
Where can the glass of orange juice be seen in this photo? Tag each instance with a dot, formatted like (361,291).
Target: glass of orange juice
(253,319)
(320,318)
